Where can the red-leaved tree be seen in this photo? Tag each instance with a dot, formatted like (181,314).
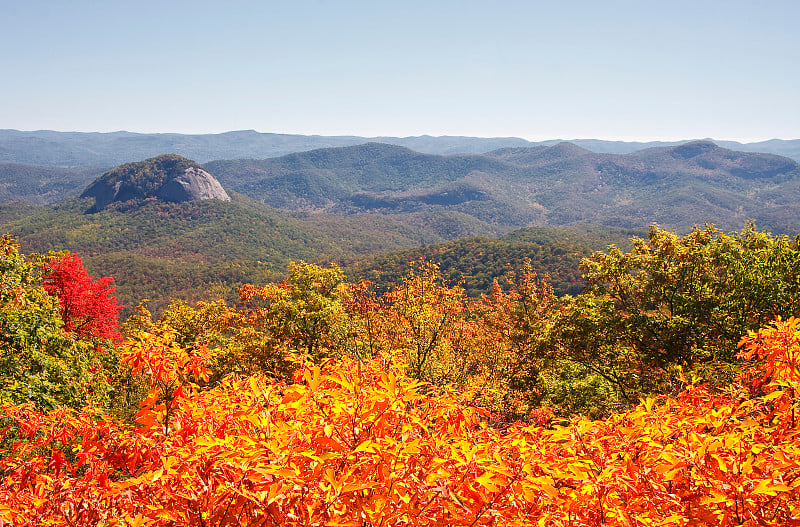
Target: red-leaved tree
(88,305)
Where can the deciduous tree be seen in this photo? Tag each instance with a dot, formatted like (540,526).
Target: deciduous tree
(678,301)
(41,363)
(87,305)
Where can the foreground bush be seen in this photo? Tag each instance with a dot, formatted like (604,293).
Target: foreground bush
(358,443)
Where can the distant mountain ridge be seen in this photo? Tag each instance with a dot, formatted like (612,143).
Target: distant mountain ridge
(542,185)
(504,189)
(104,150)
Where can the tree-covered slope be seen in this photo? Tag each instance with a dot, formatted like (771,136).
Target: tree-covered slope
(38,185)
(345,203)
(675,186)
(161,250)
(475,262)
(546,185)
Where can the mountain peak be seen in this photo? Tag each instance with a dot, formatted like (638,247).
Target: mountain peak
(693,149)
(566,149)
(167,177)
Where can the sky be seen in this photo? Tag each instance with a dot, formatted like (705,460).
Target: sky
(620,70)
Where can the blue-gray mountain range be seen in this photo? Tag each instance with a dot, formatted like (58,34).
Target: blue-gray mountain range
(105,150)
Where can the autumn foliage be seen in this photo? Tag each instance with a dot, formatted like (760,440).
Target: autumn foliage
(88,306)
(54,347)
(317,402)
(359,443)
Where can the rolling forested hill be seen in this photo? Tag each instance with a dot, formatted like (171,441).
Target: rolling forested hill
(516,187)
(499,191)
(160,250)
(164,251)
(476,261)
(39,185)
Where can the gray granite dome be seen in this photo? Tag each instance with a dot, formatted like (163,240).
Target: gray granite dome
(169,177)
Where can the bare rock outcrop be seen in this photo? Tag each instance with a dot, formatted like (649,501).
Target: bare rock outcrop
(168,177)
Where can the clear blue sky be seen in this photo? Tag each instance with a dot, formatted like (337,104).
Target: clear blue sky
(539,70)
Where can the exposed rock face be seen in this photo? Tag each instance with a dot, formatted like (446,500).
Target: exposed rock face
(194,184)
(169,178)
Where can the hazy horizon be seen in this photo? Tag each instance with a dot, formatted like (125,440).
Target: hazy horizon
(532,140)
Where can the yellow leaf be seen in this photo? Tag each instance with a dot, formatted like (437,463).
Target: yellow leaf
(315,379)
(765,486)
(392,383)
(716,497)
(351,487)
(274,493)
(330,477)
(721,462)
(579,473)
(669,476)
(488,482)
(530,495)
(773,395)
(365,446)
